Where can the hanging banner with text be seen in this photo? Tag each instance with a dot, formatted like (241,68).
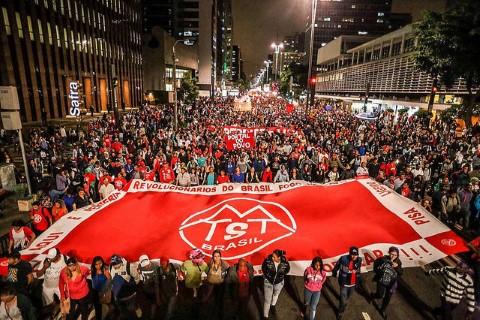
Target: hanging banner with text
(250,221)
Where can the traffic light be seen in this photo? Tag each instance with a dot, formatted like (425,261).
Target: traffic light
(434,89)
(313,81)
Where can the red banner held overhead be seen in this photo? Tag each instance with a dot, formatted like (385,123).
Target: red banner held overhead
(251,220)
(240,139)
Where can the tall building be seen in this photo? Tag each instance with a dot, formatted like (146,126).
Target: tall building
(53,50)
(180,18)
(236,64)
(215,45)
(350,17)
(295,42)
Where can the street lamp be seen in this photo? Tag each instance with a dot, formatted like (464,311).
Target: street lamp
(310,54)
(277,48)
(174,75)
(267,63)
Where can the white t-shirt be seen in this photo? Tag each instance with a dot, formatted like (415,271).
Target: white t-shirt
(106,190)
(52,274)
(276,265)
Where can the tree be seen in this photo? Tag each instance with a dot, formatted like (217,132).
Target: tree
(299,72)
(448,47)
(188,89)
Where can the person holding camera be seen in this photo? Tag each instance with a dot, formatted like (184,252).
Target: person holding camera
(275,267)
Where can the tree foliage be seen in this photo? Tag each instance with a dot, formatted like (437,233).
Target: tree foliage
(448,47)
(299,73)
(188,89)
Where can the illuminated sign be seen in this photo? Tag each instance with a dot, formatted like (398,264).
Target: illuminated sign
(74,97)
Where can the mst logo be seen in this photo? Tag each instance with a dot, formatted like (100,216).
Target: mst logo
(238,227)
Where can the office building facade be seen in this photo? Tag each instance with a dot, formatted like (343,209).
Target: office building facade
(180,18)
(46,45)
(352,17)
(386,66)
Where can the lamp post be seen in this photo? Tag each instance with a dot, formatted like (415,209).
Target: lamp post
(174,76)
(310,54)
(277,48)
(267,63)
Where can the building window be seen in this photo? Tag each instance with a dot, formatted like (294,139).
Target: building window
(379,20)
(19,25)
(409,45)
(40,30)
(49,31)
(327,19)
(45,3)
(57,33)
(73,40)
(362,33)
(76,9)
(381,14)
(65,38)
(6,22)
(396,48)
(30,28)
(62,8)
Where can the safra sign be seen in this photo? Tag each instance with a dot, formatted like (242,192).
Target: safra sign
(74,97)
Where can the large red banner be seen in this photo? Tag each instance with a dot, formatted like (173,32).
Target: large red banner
(251,220)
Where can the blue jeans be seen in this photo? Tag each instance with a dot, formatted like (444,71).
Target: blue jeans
(345,294)
(271,293)
(311,299)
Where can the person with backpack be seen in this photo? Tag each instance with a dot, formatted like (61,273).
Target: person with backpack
(169,277)
(41,218)
(275,267)
(314,277)
(124,288)
(387,270)
(149,285)
(348,270)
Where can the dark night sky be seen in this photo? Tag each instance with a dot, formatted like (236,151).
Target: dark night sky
(258,23)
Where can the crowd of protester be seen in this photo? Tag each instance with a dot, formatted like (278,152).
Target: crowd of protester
(71,168)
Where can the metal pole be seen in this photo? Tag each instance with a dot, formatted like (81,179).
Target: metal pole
(310,55)
(24,157)
(174,77)
(115,101)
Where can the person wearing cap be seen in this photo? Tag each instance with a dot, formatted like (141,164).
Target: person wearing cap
(124,288)
(149,285)
(41,218)
(19,273)
(348,270)
(74,290)
(194,270)
(387,270)
(19,237)
(275,267)
(50,270)
(457,284)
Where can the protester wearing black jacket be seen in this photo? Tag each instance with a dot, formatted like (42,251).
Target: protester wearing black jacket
(387,270)
(348,270)
(275,267)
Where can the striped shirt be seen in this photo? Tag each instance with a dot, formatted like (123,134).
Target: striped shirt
(456,286)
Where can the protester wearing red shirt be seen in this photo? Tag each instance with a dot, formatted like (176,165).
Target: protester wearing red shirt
(73,285)
(41,218)
(166,174)
(222,178)
(267,175)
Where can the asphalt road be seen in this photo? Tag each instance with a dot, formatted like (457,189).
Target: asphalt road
(416,298)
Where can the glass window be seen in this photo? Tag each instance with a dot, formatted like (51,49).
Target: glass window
(83,12)
(6,22)
(19,25)
(45,3)
(62,9)
(57,33)
(30,28)
(54,5)
(69,8)
(65,37)
(76,9)
(40,30)
(73,40)
(49,31)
